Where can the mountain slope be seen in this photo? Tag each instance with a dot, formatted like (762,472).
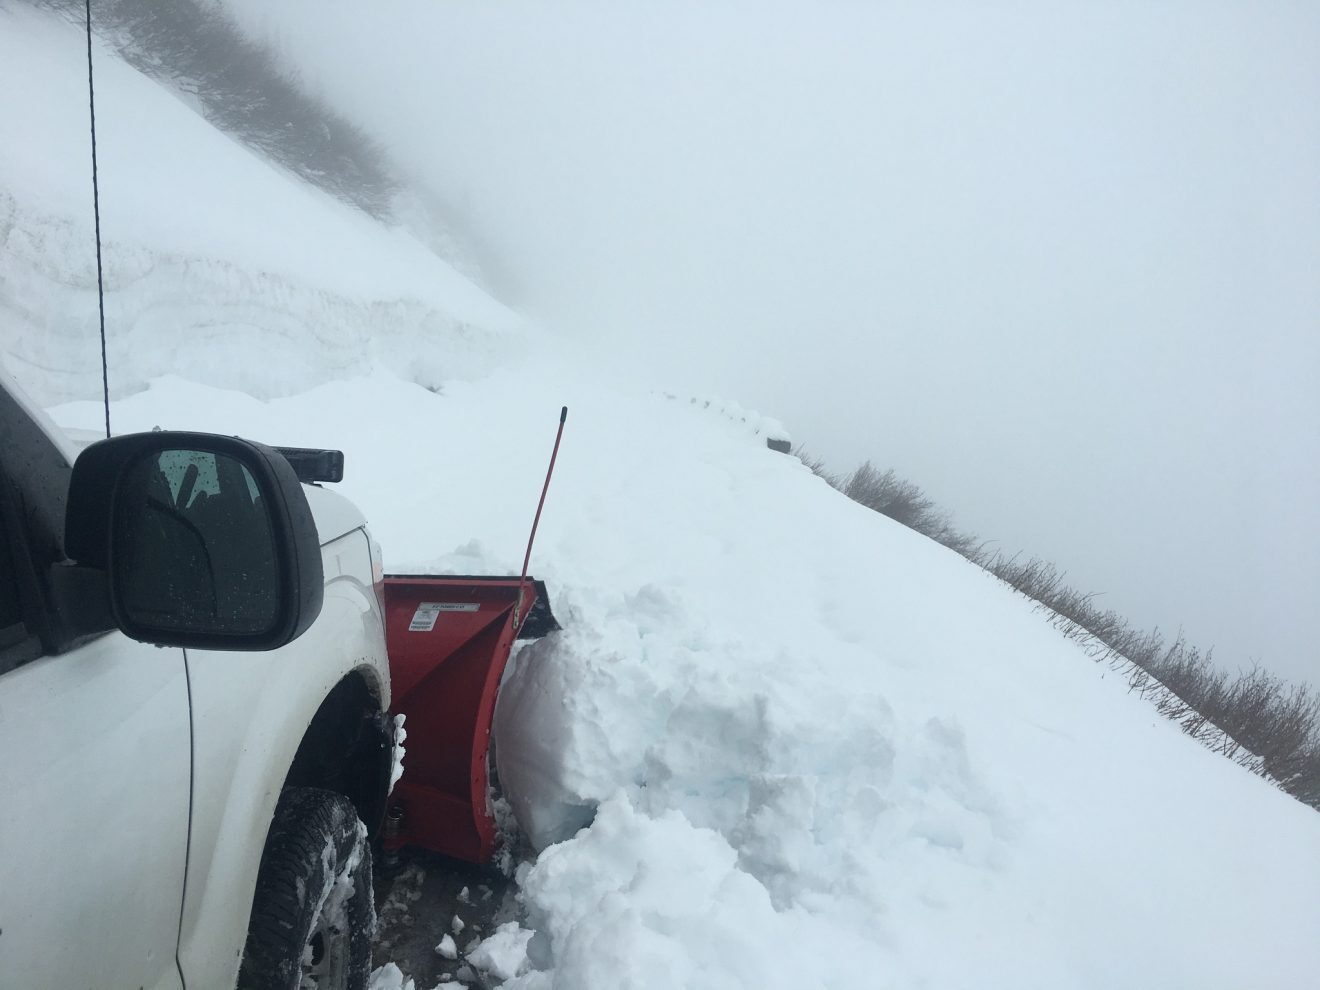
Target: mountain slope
(211,252)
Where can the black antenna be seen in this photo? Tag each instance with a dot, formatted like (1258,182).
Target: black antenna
(96,211)
(522,580)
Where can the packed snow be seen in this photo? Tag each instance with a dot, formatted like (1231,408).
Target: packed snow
(781,741)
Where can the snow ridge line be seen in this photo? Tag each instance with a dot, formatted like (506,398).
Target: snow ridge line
(767,426)
(1147,686)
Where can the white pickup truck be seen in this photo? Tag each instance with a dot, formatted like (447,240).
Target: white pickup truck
(193,731)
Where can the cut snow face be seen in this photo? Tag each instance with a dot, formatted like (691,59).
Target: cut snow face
(212,254)
(783,741)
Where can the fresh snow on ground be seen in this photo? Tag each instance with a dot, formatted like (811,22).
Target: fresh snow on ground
(812,747)
(781,741)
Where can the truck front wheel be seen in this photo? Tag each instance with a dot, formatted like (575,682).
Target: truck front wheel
(313,915)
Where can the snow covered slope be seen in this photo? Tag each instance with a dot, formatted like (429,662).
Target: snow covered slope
(782,742)
(218,264)
(820,750)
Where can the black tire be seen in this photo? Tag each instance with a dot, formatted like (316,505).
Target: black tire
(308,928)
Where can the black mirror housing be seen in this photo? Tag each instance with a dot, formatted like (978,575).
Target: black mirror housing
(205,541)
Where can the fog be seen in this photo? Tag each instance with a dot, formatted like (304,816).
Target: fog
(1058,263)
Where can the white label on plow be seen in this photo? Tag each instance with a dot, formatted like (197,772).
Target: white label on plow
(423,619)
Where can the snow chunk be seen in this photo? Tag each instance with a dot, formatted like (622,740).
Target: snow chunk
(398,752)
(503,954)
(447,947)
(390,977)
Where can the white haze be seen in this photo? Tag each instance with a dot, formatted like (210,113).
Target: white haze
(1056,262)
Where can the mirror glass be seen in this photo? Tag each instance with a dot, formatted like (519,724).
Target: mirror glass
(193,546)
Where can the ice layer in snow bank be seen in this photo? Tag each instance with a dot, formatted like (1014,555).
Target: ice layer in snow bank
(784,742)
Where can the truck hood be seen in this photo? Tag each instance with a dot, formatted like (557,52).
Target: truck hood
(334,514)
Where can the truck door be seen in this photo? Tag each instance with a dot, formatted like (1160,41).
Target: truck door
(94,769)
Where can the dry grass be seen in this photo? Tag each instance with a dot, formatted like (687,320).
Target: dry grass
(1254,718)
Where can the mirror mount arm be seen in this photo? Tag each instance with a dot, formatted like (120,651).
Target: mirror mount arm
(80,599)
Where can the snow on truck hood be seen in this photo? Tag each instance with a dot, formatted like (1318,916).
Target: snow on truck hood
(334,514)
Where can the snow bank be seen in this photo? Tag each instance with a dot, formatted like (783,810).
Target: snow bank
(213,256)
(784,742)
(651,901)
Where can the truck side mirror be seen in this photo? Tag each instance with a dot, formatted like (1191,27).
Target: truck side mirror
(205,541)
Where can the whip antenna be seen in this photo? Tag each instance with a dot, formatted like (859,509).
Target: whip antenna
(96,212)
(522,580)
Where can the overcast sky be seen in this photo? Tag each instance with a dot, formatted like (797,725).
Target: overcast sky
(1057,262)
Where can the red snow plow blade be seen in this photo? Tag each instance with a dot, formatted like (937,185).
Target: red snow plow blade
(448,640)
